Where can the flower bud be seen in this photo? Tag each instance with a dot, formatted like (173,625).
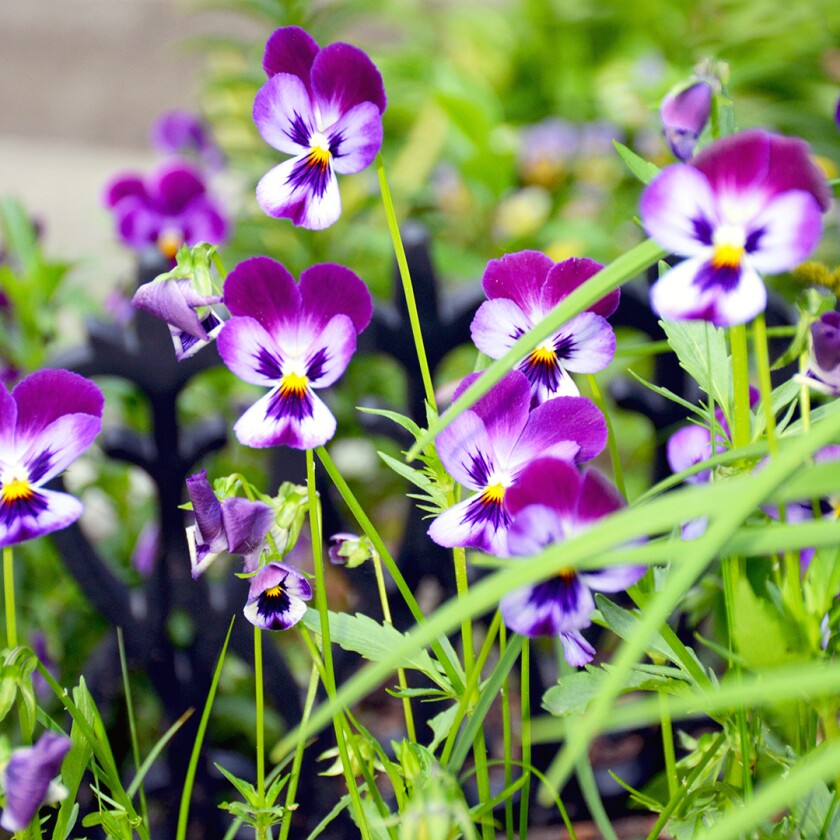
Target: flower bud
(684,113)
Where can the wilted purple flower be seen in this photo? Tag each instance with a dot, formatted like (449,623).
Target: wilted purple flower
(748,204)
(192,323)
(276,597)
(167,209)
(324,107)
(49,419)
(522,289)
(350,550)
(487,447)
(27,780)
(234,525)
(825,350)
(550,503)
(293,339)
(180,132)
(684,114)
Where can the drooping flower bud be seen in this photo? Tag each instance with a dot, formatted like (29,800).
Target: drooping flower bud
(684,113)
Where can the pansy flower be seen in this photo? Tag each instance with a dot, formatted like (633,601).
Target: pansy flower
(166,209)
(28,780)
(234,525)
(747,205)
(552,502)
(684,114)
(324,107)
(522,288)
(293,339)
(825,351)
(49,419)
(178,132)
(276,599)
(486,447)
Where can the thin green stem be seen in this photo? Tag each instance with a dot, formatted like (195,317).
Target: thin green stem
(294,778)
(668,746)
(326,643)
(9,593)
(386,614)
(506,736)
(132,723)
(762,357)
(525,702)
(741,384)
(260,703)
(598,399)
(408,288)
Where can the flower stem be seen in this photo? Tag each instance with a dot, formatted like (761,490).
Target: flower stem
(405,276)
(326,644)
(386,614)
(506,736)
(668,746)
(294,777)
(525,702)
(9,593)
(260,703)
(741,385)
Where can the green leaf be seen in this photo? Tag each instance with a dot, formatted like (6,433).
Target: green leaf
(761,633)
(816,814)
(400,419)
(643,169)
(441,724)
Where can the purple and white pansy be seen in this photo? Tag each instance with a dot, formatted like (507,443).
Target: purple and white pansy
(166,209)
(825,351)
(522,288)
(28,780)
(293,339)
(48,421)
(486,447)
(324,107)
(552,502)
(747,205)
(276,599)
(234,525)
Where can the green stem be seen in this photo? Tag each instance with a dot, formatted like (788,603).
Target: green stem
(762,357)
(408,288)
(386,614)
(260,703)
(326,643)
(525,702)
(294,777)
(9,593)
(598,399)
(741,384)
(506,736)
(668,746)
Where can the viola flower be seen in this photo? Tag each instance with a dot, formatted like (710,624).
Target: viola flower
(522,288)
(167,209)
(324,107)
(192,322)
(234,525)
(553,502)
(825,350)
(27,780)
(178,132)
(487,447)
(350,550)
(49,419)
(747,205)
(293,339)
(684,114)
(276,597)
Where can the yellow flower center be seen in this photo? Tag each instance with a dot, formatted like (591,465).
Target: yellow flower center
(169,242)
(319,156)
(727,256)
(493,494)
(543,355)
(294,384)
(15,485)
(274,592)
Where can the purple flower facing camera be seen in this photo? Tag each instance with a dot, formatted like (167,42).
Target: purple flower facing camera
(294,339)
(276,599)
(749,204)
(178,132)
(324,107)
(552,502)
(47,422)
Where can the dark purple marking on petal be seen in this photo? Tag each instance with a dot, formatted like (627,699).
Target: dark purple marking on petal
(702,230)
(269,365)
(290,400)
(753,241)
(488,508)
(313,172)
(188,341)
(315,365)
(299,131)
(39,465)
(16,505)
(480,469)
(564,592)
(724,277)
(273,605)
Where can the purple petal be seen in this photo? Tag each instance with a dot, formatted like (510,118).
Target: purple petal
(473,523)
(304,192)
(576,649)
(263,288)
(123,186)
(245,524)
(330,353)
(465,449)
(46,395)
(208,513)
(560,604)
(27,778)
(187,345)
(556,424)
(328,289)
(290,50)
(174,301)
(614,579)
(586,343)
(684,115)
(40,512)
(497,324)
(790,227)
(274,420)
(742,303)
(175,185)
(8,421)
(138,224)
(356,138)
(57,446)
(687,447)
(534,527)
(276,597)
(548,482)
(504,412)
(825,348)
(757,161)
(283,114)
(250,352)
(678,210)
(343,77)
(178,131)
(598,498)
(519,277)
(570,274)
(203,221)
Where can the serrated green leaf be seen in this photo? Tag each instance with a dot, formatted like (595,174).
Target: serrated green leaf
(643,169)
(762,635)
(441,724)
(816,814)
(416,477)
(246,789)
(400,419)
